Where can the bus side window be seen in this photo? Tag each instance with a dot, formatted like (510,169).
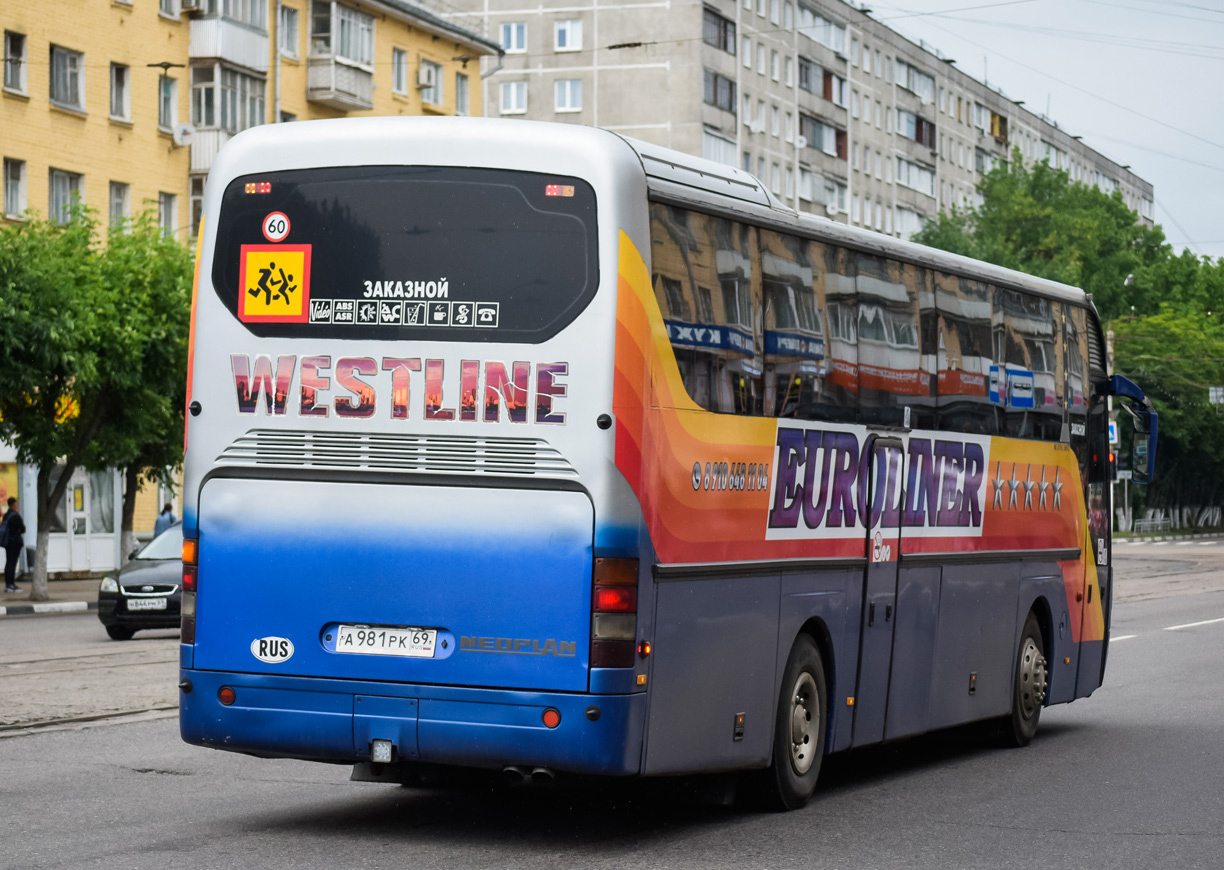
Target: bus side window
(890,374)
(963,355)
(837,301)
(1025,336)
(707,281)
(794,350)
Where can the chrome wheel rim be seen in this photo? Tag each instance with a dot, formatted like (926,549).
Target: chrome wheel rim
(1032,678)
(804,723)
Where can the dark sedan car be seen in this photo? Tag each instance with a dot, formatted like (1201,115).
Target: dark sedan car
(147,591)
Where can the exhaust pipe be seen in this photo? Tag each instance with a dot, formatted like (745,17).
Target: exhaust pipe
(515,775)
(542,776)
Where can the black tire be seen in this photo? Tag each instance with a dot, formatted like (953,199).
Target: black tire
(118,632)
(1029,691)
(799,729)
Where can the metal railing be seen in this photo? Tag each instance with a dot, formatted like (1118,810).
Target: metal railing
(1148,526)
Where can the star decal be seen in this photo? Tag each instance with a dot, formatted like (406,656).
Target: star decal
(1028,489)
(1015,485)
(1057,490)
(998,483)
(1044,485)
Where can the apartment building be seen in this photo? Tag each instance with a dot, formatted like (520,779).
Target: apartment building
(126,103)
(835,112)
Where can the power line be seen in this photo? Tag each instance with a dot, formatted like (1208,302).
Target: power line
(1081,90)
(1190,244)
(1210,52)
(949,11)
(1163,12)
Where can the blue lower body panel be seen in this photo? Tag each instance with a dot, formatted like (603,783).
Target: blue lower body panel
(335,720)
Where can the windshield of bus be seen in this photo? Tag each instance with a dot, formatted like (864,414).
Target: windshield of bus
(414,252)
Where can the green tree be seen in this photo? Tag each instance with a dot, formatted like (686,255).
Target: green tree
(92,355)
(143,370)
(50,311)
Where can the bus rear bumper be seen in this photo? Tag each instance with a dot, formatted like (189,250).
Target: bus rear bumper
(336,720)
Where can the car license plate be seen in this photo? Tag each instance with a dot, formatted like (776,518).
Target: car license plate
(146,604)
(382,641)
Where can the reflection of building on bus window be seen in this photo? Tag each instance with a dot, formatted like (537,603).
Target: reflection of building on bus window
(963,356)
(1025,329)
(891,374)
(706,277)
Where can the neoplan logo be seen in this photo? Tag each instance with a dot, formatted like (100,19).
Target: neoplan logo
(272,649)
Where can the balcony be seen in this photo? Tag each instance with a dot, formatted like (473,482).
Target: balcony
(204,147)
(335,83)
(229,41)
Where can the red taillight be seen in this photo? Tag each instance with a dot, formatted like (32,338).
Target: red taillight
(615,572)
(551,717)
(226,695)
(191,559)
(615,599)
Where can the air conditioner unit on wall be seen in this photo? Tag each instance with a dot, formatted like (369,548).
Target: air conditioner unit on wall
(757,127)
(427,76)
(802,142)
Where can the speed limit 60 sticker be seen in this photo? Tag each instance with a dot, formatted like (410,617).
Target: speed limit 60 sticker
(276,226)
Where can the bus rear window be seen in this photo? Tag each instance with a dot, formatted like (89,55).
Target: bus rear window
(399,252)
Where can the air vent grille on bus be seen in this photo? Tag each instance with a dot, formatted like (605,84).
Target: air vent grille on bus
(1096,353)
(398,454)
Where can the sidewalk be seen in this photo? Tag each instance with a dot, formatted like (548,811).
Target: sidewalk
(67,596)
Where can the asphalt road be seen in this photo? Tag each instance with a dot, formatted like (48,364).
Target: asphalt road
(1130,778)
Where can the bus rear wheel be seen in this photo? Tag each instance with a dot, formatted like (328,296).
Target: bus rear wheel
(799,730)
(1029,693)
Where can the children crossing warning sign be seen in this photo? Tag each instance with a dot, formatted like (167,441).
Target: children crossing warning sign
(275,284)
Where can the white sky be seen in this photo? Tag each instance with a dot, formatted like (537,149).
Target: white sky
(1138,79)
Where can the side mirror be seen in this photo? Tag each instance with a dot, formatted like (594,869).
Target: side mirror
(1145,425)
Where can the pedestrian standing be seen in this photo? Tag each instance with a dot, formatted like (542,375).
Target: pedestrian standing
(14,529)
(164,520)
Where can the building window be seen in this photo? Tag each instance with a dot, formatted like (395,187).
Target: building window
(821,30)
(774,120)
(568,95)
(790,127)
(169,8)
(718,31)
(340,31)
(773,12)
(790,183)
(720,149)
(833,89)
(823,137)
(790,72)
(253,13)
(761,58)
(463,98)
(775,179)
(567,35)
(856,213)
(203,97)
(67,72)
(720,91)
(242,101)
(14,187)
(167,213)
(913,127)
(514,37)
(399,71)
(747,164)
(854,104)
(806,70)
(120,204)
(513,98)
(287,117)
(916,81)
(431,79)
(788,15)
(916,176)
(14,61)
(775,65)
(287,31)
(65,187)
(120,98)
(197,202)
(167,102)
(746,51)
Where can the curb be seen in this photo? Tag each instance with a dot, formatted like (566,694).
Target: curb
(1148,539)
(47,607)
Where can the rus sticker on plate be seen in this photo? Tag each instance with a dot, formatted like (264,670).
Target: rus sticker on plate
(384,641)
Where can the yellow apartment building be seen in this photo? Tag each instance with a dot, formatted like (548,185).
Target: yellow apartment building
(126,103)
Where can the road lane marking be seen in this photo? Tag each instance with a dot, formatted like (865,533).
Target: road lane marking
(1193,624)
(1208,543)
(1184,543)
(1161,544)
(1124,637)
